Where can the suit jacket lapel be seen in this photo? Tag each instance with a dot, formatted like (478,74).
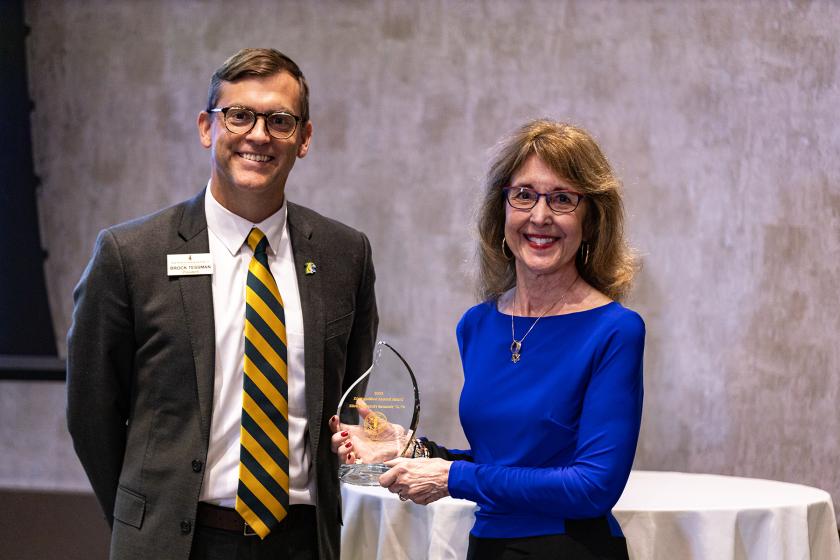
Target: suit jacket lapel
(305,250)
(197,296)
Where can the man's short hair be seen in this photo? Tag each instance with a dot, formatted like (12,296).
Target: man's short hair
(261,63)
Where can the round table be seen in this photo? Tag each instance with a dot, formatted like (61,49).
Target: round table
(664,515)
(668,515)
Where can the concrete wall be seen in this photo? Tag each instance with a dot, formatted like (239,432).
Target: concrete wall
(721,117)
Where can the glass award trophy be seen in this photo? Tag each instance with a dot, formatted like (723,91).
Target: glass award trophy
(380,410)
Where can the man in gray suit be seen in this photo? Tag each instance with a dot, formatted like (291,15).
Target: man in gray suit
(156,350)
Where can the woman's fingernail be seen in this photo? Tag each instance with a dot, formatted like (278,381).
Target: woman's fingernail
(349,456)
(344,434)
(348,445)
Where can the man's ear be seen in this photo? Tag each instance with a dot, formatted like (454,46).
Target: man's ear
(307,138)
(205,124)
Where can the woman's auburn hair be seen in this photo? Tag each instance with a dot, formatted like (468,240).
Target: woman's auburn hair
(573,155)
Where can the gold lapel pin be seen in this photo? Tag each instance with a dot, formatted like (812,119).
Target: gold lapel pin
(310,268)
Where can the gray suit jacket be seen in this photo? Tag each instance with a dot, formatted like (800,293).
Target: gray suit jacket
(140,370)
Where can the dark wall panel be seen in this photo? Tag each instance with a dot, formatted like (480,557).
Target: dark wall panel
(25,323)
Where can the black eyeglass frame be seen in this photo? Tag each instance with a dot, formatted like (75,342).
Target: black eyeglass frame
(506,193)
(224,112)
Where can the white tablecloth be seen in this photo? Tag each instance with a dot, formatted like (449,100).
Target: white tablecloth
(664,515)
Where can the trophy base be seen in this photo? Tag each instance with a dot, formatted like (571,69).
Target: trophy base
(361,474)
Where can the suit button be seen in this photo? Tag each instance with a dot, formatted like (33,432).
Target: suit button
(186,527)
(197,465)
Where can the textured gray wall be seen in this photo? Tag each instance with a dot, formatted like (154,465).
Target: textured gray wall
(719,116)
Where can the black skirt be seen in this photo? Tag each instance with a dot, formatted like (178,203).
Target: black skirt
(585,539)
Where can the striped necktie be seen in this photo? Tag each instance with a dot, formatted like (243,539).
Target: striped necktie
(262,498)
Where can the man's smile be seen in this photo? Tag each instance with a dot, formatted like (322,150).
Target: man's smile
(261,158)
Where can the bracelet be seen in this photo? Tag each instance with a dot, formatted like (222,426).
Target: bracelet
(419,450)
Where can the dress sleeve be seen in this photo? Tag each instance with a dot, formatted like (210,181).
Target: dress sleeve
(609,429)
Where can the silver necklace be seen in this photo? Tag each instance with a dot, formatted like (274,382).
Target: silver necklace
(516,345)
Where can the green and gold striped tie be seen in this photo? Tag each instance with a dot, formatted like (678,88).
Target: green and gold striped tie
(262,498)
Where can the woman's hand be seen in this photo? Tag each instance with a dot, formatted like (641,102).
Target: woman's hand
(352,444)
(422,481)
(340,442)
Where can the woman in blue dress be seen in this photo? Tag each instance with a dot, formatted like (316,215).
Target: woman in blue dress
(552,397)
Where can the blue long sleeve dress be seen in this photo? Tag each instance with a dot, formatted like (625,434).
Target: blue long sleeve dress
(553,436)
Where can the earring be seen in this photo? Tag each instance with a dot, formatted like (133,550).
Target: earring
(584,252)
(503,249)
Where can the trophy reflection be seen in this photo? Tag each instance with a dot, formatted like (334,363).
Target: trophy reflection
(380,410)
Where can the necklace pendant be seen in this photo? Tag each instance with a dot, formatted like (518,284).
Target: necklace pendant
(515,347)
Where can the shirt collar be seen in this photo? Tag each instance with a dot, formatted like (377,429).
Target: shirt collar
(233,230)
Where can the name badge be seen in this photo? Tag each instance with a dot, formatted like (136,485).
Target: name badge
(190,264)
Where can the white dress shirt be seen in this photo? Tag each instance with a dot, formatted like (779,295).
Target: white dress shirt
(227,233)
